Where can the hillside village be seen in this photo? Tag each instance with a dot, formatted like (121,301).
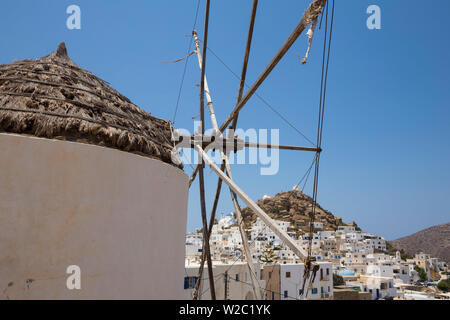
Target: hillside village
(353,264)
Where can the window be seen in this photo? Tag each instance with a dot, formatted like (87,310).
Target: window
(321,274)
(237,276)
(273,295)
(285,293)
(189,282)
(329,289)
(314,290)
(328,271)
(288,274)
(270,275)
(300,292)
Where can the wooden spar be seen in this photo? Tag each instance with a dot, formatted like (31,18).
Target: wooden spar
(247,254)
(207,93)
(201,177)
(211,223)
(264,217)
(234,144)
(281,147)
(245,64)
(193,175)
(240,92)
(310,15)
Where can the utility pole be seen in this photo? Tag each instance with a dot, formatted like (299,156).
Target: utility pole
(225,279)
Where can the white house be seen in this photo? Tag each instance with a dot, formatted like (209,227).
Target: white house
(234,276)
(291,282)
(379,287)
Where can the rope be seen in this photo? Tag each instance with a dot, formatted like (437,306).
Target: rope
(306,175)
(326,53)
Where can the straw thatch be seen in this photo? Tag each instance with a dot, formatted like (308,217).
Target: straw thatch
(53,98)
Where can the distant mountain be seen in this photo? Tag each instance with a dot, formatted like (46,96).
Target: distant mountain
(294,206)
(434,241)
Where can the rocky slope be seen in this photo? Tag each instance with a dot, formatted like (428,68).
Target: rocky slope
(434,240)
(295,207)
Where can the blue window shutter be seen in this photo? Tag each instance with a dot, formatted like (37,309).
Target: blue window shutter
(186,282)
(285,293)
(195,281)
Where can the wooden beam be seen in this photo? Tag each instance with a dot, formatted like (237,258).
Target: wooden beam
(279,146)
(264,217)
(246,56)
(247,254)
(310,15)
(201,177)
(232,144)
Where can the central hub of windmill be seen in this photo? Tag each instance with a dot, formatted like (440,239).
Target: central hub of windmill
(208,142)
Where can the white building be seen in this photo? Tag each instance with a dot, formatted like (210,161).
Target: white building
(345,229)
(232,279)
(285,282)
(291,276)
(379,287)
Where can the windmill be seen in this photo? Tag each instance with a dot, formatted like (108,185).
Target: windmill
(227,143)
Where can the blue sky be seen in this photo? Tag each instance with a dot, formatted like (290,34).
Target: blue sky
(386,159)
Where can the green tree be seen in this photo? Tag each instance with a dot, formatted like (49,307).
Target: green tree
(389,246)
(338,280)
(444,285)
(405,256)
(274,210)
(268,255)
(422,274)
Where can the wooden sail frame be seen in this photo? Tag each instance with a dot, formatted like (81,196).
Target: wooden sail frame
(310,16)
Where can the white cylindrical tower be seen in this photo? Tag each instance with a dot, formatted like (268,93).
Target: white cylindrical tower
(91,206)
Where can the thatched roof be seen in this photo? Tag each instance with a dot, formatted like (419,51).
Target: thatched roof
(53,98)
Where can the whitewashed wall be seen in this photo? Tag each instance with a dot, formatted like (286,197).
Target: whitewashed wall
(120,217)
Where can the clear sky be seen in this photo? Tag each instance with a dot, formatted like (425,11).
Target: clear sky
(386,159)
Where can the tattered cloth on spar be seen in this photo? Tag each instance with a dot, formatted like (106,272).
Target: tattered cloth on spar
(54,98)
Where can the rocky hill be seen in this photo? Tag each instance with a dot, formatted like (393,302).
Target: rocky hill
(295,207)
(434,240)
